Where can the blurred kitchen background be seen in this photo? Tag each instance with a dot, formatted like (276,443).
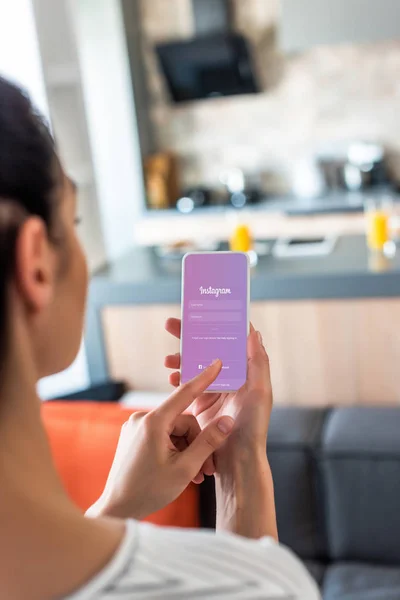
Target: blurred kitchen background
(269,126)
(266,126)
(314,114)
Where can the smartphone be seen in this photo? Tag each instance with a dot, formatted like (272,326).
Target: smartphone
(215,316)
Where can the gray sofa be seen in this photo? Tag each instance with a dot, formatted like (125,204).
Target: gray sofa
(337,487)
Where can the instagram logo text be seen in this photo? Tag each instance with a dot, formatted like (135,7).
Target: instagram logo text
(210,291)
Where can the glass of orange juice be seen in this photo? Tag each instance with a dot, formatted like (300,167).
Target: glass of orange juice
(241,239)
(378,213)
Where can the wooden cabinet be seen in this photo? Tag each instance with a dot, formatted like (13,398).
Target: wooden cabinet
(321,352)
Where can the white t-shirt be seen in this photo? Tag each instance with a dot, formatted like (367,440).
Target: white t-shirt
(177,564)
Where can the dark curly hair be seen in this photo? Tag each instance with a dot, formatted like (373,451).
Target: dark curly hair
(29,177)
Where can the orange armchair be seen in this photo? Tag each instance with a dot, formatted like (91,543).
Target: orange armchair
(83,438)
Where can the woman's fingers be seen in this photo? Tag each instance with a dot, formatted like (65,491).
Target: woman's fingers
(186,429)
(173,361)
(208,467)
(186,426)
(184,396)
(173,326)
(256,349)
(175,379)
(258,373)
(209,440)
(205,402)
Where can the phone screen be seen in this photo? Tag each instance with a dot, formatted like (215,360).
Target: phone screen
(215,300)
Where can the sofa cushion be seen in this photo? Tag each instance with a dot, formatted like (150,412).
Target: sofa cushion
(293,437)
(83,439)
(360,581)
(360,467)
(316,570)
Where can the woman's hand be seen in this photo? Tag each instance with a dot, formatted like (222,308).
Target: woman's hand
(160,452)
(250,407)
(244,487)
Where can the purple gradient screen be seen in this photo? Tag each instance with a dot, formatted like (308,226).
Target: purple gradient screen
(215,320)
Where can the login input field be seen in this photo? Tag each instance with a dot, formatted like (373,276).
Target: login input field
(215,317)
(215,305)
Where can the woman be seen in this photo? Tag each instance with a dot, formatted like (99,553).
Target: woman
(48,549)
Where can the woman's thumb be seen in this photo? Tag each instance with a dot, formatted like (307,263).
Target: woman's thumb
(207,442)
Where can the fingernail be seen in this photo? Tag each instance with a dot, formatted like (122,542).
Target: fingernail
(226,424)
(260,338)
(215,362)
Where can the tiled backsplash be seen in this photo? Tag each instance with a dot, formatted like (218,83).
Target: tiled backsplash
(325,95)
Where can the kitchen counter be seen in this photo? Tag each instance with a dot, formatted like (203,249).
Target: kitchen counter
(141,278)
(348,272)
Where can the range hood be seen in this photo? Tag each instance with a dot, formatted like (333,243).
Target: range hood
(217,62)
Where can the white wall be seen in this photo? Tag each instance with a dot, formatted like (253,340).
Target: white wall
(104,74)
(62,77)
(19,49)
(20,61)
(110,109)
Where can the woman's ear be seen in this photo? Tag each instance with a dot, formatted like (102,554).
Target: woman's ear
(35,264)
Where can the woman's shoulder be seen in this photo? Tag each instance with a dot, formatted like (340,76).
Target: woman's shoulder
(207,561)
(155,562)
